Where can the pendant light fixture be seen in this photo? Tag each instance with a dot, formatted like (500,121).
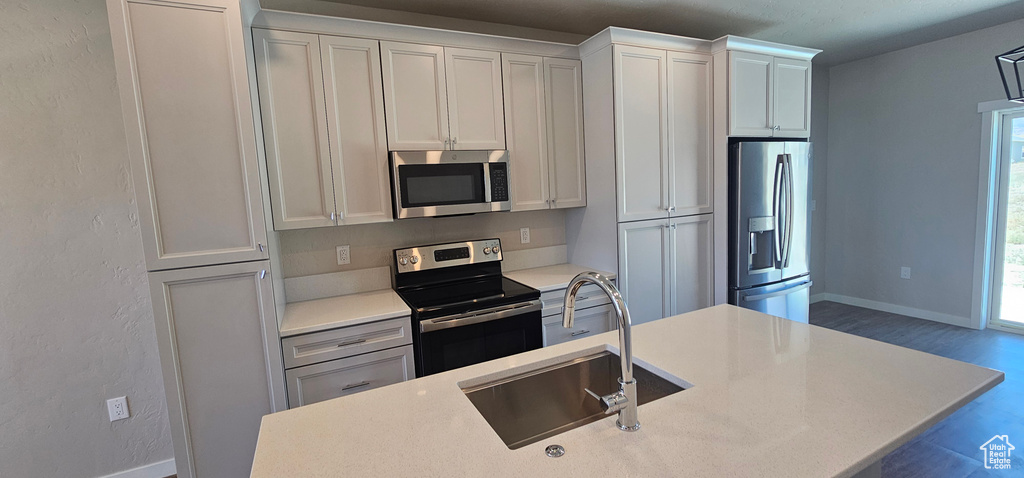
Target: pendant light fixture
(1011,69)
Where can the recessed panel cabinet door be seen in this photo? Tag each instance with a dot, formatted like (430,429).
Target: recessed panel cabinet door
(643,268)
(690,127)
(563,85)
(792,97)
(216,330)
(690,264)
(191,139)
(415,96)
(641,149)
(294,128)
(356,128)
(750,94)
(526,128)
(475,116)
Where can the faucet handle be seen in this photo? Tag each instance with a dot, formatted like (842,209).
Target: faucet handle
(610,403)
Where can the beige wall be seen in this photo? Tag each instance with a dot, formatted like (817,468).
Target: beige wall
(312,251)
(76,324)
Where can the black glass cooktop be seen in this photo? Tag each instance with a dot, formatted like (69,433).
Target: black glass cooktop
(462,296)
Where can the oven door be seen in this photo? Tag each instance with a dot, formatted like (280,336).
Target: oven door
(447,343)
(442,183)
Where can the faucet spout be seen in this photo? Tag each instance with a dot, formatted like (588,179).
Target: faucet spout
(625,401)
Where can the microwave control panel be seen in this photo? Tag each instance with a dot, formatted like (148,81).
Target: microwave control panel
(499,182)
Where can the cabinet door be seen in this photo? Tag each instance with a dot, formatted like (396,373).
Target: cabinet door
(690,127)
(750,94)
(191,139)
(294,128)
(415,96)
(563,87)
(221,361)
(641,149)
(337,378)
(792,97)
(475,113)
(691,271)
(355,120)
(526,129)
(643,268)
(586,323)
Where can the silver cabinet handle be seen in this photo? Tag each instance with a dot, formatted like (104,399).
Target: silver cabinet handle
(261,246)
(581,299)
(574,334)
(263,273)
(355,385)
(351,342)
(334,217)
(455,140)
(671,209)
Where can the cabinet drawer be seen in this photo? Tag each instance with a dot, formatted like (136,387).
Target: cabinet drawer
(589,295)
(588,322)
(337,378)
(345,342)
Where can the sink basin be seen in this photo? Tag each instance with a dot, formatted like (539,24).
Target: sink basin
(539,404)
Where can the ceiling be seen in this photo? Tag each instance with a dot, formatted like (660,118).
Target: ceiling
(845,29)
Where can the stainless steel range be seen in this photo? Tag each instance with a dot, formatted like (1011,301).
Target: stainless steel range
(464,311)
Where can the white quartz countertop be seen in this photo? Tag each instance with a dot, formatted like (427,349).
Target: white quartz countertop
(551,277)
(771,397)
(342,311)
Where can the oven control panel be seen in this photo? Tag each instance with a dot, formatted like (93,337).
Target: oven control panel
(447,255)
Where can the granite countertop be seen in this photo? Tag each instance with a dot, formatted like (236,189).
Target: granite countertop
(771,397)
(341,311)
(550,278)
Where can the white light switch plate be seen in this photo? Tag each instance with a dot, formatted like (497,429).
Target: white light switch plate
(343,255)
(118,408)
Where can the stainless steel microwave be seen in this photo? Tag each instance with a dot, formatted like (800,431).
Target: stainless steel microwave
(445,183)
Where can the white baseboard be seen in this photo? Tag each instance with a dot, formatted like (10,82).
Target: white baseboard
(894,309)
(159,469)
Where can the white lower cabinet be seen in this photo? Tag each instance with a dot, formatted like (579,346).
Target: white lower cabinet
(587,322)
(665,266)
(337,378)
(334,363)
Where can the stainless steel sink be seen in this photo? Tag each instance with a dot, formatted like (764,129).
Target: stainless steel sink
(539,404)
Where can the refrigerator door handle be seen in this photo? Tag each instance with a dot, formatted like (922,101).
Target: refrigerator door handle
(789,209)
(757,297)
(776,207)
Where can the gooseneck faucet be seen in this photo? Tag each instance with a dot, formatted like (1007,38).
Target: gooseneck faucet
(624,401)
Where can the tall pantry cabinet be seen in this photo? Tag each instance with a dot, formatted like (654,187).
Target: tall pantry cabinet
(649,126)
(192,147)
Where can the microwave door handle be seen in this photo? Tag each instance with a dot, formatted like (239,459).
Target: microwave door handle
(776,206)
(487,182)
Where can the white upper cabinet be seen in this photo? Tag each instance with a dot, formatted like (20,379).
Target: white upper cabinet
(416,96)
(563,88)
(442,98)
(690,133)
(544,122)
(641,123)
(769,96)
(191,139)
(288,71)
(475,119)
(322,104)
(356,128)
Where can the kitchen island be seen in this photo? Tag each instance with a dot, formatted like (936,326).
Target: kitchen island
(770,397)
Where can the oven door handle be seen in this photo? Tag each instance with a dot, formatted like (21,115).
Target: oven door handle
(479,316)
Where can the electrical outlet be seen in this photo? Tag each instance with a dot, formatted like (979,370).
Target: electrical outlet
(524,235)
(343,255)
(904,272)
(814,205)
(118,408)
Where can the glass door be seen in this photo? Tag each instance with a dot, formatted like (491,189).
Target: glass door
(1008,273)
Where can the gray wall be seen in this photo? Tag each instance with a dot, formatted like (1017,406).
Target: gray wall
(902,180)
(819,167)
(76,323)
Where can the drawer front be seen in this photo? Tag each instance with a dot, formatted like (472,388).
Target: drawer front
(589,295)
(588,322)
(346,342)
(324,381)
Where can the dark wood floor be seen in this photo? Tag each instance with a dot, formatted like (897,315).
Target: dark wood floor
(950,448)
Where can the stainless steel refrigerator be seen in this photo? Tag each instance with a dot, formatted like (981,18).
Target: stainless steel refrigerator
(769,227)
